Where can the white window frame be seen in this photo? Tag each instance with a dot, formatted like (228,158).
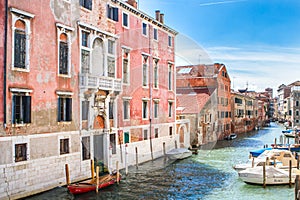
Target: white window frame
(155,30)
(147,138)
(124,51)
(70,144)
(111,56)
(63,29)
(128,21)
(147,29)
(156,109)
(170,76)
(26,17)
(170,108)
(88,48)
(128,109)
(21,140)
(147,109)
(170,41)
(155,64)
(147,70)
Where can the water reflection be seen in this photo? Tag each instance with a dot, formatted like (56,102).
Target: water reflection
(206,176)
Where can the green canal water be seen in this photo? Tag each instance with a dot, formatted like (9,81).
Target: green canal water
(206,176)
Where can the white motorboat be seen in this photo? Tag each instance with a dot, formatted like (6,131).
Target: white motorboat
(273,175)
(279,158)
(179,153)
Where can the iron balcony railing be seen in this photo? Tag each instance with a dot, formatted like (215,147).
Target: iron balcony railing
(99,82)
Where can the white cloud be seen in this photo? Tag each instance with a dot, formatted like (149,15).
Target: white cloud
(259,67)
(219,2)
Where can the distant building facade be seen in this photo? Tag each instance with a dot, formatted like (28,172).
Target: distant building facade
(210,85)
(244,109)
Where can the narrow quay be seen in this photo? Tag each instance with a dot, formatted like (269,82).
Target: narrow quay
(207,175)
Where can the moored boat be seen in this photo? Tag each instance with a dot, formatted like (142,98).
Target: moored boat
(231,136)
(273,175)
(273,157)
(90,185)
(179,153)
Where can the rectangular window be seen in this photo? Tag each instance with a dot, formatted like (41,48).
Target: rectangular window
(85,61)
(125,20)
(85,110)
(169,41)
(112,141)
(112,13)
(111,47)
(144,27)
(156,74)
(170,77)
(20,152)
(64,146)
(86,146)
(64,109)
(145,74)
(125,71)
(63,58)
(170,109)
(155,34)
(145,134)
(84,38)
(21,108)
(111,110)
(156,109)
(238,100)
(126,109)
(145,109)
(20,49)
(126,137)
(86,4)
(170,130)
(156,132)
(111,66)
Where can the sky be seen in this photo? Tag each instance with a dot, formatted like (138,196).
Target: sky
(257,40)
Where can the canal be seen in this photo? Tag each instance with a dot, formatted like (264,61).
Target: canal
(206,176)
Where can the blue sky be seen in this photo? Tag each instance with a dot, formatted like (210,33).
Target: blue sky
(257,40)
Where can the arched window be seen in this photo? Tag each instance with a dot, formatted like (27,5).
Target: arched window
(20,39)
(64,49)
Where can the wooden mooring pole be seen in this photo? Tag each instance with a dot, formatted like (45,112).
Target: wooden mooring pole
(264,175)
(92,170)
(67,174)
(97,178)
(136,157)
(290,173)
(297,187)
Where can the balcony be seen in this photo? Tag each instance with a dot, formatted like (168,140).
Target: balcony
(99,82)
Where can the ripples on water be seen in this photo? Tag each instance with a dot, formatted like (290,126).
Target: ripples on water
(208,176)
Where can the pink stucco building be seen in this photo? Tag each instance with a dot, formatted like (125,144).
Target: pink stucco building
(82,80)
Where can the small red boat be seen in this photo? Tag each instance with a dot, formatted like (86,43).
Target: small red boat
(90,185)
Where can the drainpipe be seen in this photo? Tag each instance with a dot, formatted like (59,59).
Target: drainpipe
(5,62)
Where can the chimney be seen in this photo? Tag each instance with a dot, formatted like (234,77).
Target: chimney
(157,15)
(162,18)
(132,3)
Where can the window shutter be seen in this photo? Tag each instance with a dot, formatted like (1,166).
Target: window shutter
(115,14)
(14,109)
(59,110)
(69,109)
(27,108)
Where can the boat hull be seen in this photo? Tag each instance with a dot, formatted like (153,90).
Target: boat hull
(88,186)
(179,154)
(273,176)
